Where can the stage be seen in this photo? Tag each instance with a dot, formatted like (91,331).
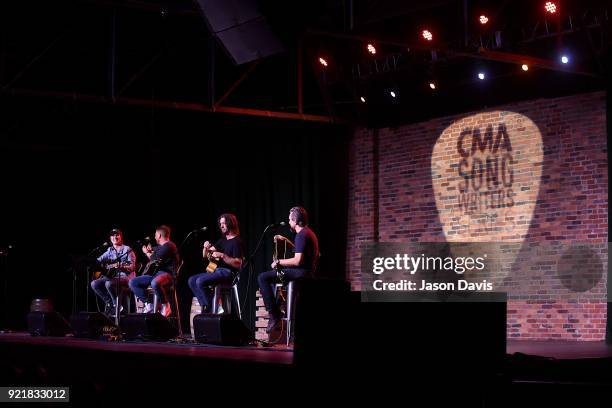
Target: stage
(104,369)
(561,350)
(279,354)
(275,354)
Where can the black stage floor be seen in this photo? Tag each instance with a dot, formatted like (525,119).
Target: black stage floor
(276,354)
(100,372)
(561,350)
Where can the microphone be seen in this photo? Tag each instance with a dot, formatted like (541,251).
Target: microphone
(278,224)
(201,229)
(104,245)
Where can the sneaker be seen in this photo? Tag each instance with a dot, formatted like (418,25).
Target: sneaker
(114,308)
(109,309)
(166,310)
(272,323)
(148,308)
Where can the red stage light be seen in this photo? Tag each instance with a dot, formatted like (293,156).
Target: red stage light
(550,7)
(483,19)
(371,49)
(322,61)
(427,35)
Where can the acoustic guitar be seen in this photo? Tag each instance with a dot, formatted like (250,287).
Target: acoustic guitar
(110,269)
(212,261)
(151,267)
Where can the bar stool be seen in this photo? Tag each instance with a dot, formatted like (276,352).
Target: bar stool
(128,305)
(222,288)
(289,305)
(174,304)
(291,297)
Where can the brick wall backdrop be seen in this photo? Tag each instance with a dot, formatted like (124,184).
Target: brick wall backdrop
(531,172)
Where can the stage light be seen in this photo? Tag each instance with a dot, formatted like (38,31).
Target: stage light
(371,49)
(427,35)
(363,99)
(392,93)
(481,75)
(322,61)
(484,19)
(550,7)
(525,67)
(432,85)
(564,59)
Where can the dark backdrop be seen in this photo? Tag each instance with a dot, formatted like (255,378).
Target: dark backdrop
(70,172)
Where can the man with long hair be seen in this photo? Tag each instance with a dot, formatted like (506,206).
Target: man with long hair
(227,253)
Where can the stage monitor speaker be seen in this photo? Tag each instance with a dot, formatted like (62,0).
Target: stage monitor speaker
(147,326)
(227,330)
(92,325)
(47,324)
(241,28)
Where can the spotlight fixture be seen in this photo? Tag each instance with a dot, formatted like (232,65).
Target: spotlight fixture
(392,93)
(564,59)
(550,7)
(432,85)
(525,67)
(371,49)
(363,99)
(427,35)
(484,19)
(481,75)
(323,61)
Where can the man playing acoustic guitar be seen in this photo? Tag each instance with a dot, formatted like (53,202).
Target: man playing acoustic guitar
(302,265)
(225,261)
(117,262)
(159,273)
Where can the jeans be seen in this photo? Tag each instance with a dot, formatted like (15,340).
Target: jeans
(267,280)
(106,288)
(202,285)
(161,283)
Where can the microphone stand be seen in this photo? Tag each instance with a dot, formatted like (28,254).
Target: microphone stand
(263,234)
(4,253)
(117,281)
(187,238)
(87,275)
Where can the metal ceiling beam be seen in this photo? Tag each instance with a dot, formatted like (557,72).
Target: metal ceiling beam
(167,104)
(235,85)
(31,63)
(481,54)
(529,60)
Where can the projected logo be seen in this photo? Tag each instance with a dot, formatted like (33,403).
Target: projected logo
(486,171)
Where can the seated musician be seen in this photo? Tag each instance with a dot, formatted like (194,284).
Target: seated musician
(306,253)
(159,273)
(117,263)
(227,253)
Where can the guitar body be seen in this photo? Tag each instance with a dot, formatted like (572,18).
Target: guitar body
(151,268)
(212,264)
(110,273)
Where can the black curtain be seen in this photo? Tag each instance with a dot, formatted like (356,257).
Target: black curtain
(71,172)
